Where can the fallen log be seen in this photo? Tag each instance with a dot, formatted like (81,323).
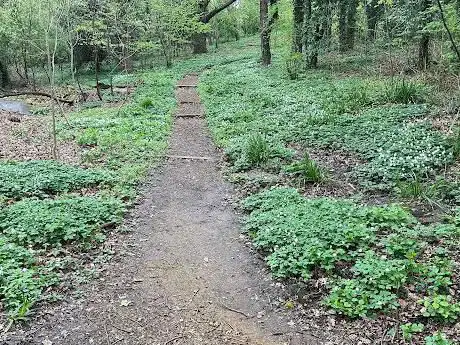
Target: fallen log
(36,93)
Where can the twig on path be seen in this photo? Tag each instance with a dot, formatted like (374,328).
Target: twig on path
(235,311)
(107,334)
(174,339)
(8,326)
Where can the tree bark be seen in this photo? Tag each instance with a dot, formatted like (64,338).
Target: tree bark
(424,44)
(373,14)
(199,41)
(351,23)
(298,26)
(265,33)
(4,76)
(343,25)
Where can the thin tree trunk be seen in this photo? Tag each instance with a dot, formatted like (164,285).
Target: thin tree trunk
(4,76)
(343,30)
(265,33)
(298,26)
(451,38)
(199,43)
(351,23)
(424,44)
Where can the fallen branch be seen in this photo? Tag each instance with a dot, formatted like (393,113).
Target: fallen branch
(236,311)
(36,93)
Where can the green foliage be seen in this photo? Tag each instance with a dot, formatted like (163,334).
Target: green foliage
(438,338)
(307,170)
(323,111)
(47,178)
(370,255)
(441,307)
(409,329)
(405,92)
(454,141)
(354,299)
(295,65)
(257,150)
(130,139)
(45,223)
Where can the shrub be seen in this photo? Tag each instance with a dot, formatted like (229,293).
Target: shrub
(295,65)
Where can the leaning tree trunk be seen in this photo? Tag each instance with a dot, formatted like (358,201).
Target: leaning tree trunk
(265,33)
(297,26)
(199,41)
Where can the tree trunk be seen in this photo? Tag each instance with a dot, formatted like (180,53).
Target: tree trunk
(424,44)
(199,43)
(298,26)
(351,23)
(265,33)
(4,76)
(373,14)
(343,30)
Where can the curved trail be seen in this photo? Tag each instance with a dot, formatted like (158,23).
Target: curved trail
(186,277)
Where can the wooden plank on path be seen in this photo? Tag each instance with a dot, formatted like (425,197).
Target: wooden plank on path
(189,115)
(190,158)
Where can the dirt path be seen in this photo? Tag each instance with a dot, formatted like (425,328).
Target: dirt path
(186,276)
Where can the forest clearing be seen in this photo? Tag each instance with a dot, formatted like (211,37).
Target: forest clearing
(229,172)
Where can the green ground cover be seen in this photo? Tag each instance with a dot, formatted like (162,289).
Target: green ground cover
(51,212)
(374,259)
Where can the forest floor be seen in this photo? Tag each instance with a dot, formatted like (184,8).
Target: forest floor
(184,274)
(349,183)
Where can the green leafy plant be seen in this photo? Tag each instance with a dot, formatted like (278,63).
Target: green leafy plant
(403,91)
(354,299)
(257,150)
(307,170)
(441,307)
(454,141)
(45,178)
(45,223)
(438,338)
(295,65)
(409,329)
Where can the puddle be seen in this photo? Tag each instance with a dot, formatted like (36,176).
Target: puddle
(15,107)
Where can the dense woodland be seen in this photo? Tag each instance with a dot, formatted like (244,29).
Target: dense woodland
(338,123)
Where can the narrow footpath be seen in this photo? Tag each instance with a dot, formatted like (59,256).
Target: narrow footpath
(186,276)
